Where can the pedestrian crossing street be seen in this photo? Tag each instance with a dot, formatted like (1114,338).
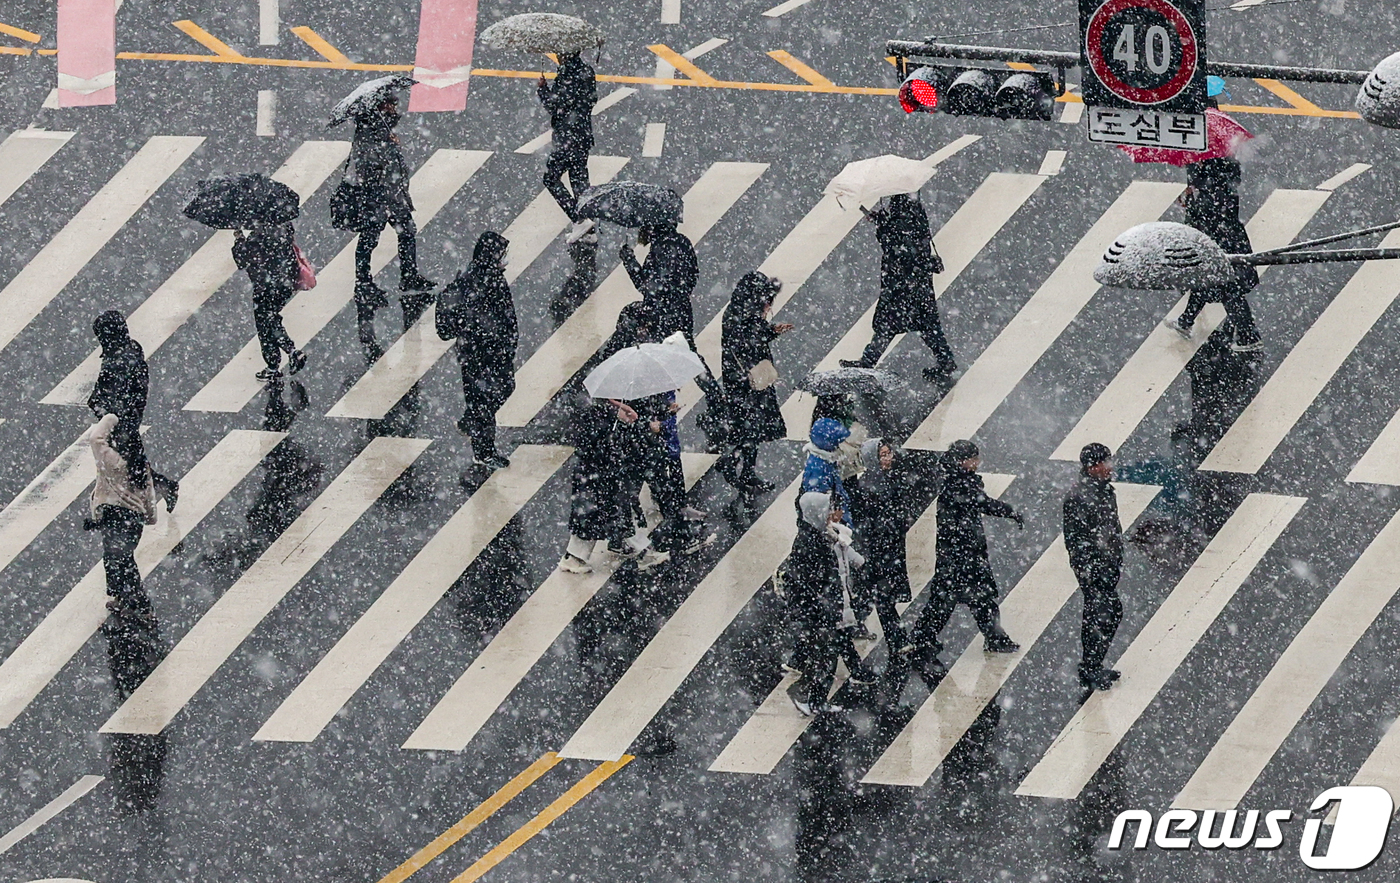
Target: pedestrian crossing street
(1263,533)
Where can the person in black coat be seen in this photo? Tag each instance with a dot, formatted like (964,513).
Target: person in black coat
(754,414)
(963,573)
(383,175)
(1212,205)
(569,100)
(821,556)
(476,309)
(881,510)
(123,384)
(267,254)
(666,279)
(1094,540)
(907,303)
(596,510)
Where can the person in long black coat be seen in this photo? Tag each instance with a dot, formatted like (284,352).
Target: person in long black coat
(1094,539)
(569,100)
(666,278)
(267,254)
(476,308)
(881,507)
(754,414)
(907,302)
(813,590)
(379,167)
(596,510)
(963,573)
(123,385)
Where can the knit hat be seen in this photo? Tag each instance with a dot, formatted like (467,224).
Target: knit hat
(1093,454)
(828,433)
(961,450)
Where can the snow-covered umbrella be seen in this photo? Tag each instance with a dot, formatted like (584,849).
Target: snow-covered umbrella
(632,204)
(368,96)
(643,370)
(866,181)
(862,381)
(543,32)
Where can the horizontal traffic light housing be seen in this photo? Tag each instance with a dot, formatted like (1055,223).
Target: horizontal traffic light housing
(979,91)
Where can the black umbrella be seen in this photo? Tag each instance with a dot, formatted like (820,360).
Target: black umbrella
(632,204)
(862,381)
(232,202)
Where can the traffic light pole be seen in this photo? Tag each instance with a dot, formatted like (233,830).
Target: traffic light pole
(903,50)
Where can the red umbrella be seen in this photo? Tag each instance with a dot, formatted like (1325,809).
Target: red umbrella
(1223,137)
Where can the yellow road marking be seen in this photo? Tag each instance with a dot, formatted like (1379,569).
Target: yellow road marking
(1020,66)
(682,64)
(206,39)
(786,60)
(13,50)
(317,42)
(19,33)
(488,807)
(547,815)
(1288,95)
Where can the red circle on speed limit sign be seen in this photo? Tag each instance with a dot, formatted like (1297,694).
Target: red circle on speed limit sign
(1155,51)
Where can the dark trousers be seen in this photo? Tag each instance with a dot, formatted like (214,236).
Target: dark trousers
(815,652)
(400,217)
(870,596)
(739,465)
(574,162)
(929,327)
(1236,308)
(272,334)
(982,601)
(1103,611)
(121,532)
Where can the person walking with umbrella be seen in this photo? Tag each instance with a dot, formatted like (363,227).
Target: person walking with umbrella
(1094,540)
(748,373)
(907,302)
(569,100)
(267,253)
(666,278)
(476,310)
(963,573)
(595,499)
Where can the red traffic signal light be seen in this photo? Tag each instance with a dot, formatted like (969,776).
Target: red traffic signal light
(919,93)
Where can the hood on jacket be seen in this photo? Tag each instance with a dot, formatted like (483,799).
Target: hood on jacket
(753,294)
(828,433)
(110,330)
(815,508)
(875,479)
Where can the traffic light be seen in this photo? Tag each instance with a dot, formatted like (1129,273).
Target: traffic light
(977,91)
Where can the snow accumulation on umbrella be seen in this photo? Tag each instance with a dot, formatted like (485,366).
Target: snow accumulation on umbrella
(543,32)
(1164,256)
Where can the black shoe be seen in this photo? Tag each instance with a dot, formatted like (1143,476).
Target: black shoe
(1112,674)
(371,295)
(492,461)
(755,486)
(932,670)
(269,375)
(296,361)
(416,282)
(862,677)
(463,426)
(172,495)
(860,633)
(1095,680)
(1001,644)
(853,363)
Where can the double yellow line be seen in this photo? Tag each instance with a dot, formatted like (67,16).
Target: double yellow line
(507,792)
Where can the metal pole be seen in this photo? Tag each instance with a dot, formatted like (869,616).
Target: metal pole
(1328,240)
(1318,257)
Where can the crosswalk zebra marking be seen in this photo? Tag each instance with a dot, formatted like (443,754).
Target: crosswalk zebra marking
(1039,323)
(57,263)
(1344,176)
(959,242)
(445,173)
(62,633)
(23,153)
(234,616)
(182,295)
(521,643)
(976,677)
(1163,355)
(776,725)
(1154,655)
(551,366)
(1381,462)
(414,592)
(45,498)
(410,358)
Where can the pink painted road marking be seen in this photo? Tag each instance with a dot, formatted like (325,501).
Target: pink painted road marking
(446,36)
(87,52)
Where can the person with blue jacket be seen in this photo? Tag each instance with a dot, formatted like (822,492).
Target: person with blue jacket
(821,474)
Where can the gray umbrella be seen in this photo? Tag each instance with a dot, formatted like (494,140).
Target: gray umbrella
(863,381)
(368,96)
(632,204)
(543,32)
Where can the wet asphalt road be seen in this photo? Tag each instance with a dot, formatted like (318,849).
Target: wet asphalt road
(204,801)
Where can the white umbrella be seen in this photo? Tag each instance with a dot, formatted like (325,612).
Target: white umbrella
(543,32)
(866,181)
(643,370)
(368,96)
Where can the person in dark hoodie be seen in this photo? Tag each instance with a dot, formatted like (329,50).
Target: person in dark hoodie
(123,384)
(963,573)
(818,568)
(753,411)
(883,514)
(476,310)
(907,303)
(1094,540)
(267,254)
(596,510)
(569,100)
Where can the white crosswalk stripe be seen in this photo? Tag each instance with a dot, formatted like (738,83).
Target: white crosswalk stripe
(23,153)
(45,498)
(445,172)
(63,632)
(1150,371)
(232,618)
(1381,462)
(414,354)
(50,271)
(178,298)
(324,691)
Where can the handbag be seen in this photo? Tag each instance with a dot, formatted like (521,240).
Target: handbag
(763,375)
(348,201)
(306,274)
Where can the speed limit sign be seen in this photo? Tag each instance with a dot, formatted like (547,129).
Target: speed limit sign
(1144,54)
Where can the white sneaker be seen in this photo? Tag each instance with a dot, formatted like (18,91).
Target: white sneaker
(651,558)
(570,564)
(690,513)
(579,230)
(803,708)
(1175,324)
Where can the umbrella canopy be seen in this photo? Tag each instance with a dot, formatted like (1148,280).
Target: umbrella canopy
(233,202)
(1223,138)
(543,32)
(867,181)
(643,370)
(863,381)
(632,204)
(368,96)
